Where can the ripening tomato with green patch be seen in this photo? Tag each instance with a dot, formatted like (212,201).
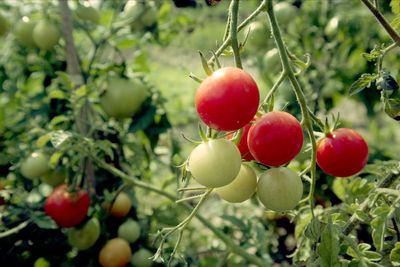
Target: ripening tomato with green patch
(227,100)
(121,206)
(86,236)
(115,253)
(342,153)
(66,207)
(275,138)
(215,163)
(279,189)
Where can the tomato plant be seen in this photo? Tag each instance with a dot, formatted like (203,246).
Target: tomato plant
(275,138)
(84,237)
(46,35)
(215,163)
(88,13)
(66,207)
(241,188)
(141,258)
(279,189)
(54,177)
(228,99)
(121,206)
(129,230)
(35,165)
(342,153)
(115,253)
(24,32)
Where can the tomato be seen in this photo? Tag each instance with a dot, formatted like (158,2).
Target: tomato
(123,97)
(23,32)
(259,35)
(67,208)
(279,189)
(141,258)
(4,25)
(243,147)
(46,35)
(271,62)
(86,236)
(144,14)
(285,12)
(55,177)
(41,262)
(342,153)
(122,205)
(129,230)
(242,188)
(115,253)
(88,13)
(215,163)
(228,99)
(275,138)
(35,166)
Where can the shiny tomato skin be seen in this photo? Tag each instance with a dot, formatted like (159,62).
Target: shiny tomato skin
(275,138)
(228,99)
(243,146)
(342,153)
(67,208)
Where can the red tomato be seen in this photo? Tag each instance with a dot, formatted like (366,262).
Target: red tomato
(342,153)
(67,208)
(243,147)
(228,99)
(275,138)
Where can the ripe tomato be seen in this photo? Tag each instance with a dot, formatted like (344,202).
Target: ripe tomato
(243,147)
(122,205)
(35,166)
(279,189)
(123,97)
(242,188)
(342,153)
(84,237)
(215,163)
(228,99)
(24,33)
(88,13)
(67,208)
(4,25)
(115,253)
(55,177)
(129,230)
(275,138)
(141,258)
(46,35)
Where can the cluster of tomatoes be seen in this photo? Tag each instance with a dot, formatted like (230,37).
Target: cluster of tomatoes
(228,100)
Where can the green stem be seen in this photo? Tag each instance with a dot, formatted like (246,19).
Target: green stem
(299,95)
(14,230)
(233,11)
(271,92)
(384,52)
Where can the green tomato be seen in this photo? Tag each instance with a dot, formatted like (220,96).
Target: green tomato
(141,258)
(242,188)
(271,62)
(129,230)
(41,262)
(35,166)
(285,12)
(24,33)
(54,178)
(88,13)
(279,189)
(46,35)
(215,163)
(259,36)
(4,25)
(84,237)
(123,97)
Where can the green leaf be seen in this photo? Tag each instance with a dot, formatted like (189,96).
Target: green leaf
(55,158)
(313,230)
(43,221)
(396,22)
(329,247)
(392,107)
(378,225)
(395,255)
(363,82)
(395,5)
(59,137)
(339,188)
(374,54)
(42,141)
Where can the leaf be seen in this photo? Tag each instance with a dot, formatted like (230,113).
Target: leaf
(329,247)
(59,137)
(392,107)
(396,22)
(374,54)
(235,221)
(363,82)
(378,225)
(313,230)
(339,188)
(42,141)
(395,255)
(55,158)
(395,5)
(43,221)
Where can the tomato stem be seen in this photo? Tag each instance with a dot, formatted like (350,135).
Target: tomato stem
(233,13)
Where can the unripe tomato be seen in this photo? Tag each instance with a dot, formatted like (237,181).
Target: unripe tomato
(271,62)
(41,262)
(35,166)
(46,35)
(67,208)
(285,12)
(129,230)
(215,163)
(55,177)
(228,99)
(279,189)
(123,97)
(243,146)
(259,35)
(122,205)
(242,188)
(275,138)
(141,258)
(24,33)
(115,253)
(4,25)
(86,236)
(342,153)
(88,13)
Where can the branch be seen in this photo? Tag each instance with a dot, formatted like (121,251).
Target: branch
(14,230)
(233,13)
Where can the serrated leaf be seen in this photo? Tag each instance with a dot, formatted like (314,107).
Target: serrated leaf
(106,146)
(395,255)
(372,255)
(363,82)
(329,247)
(396,22)
(313,230)
(395,5)
(378,225)
(57,138)
(374,54)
